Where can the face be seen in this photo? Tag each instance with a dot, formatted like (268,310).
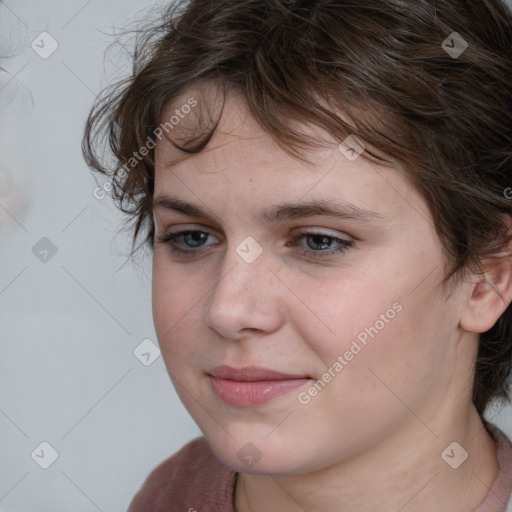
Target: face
(346,308)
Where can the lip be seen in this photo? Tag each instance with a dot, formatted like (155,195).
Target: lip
(244,387)
(251,374)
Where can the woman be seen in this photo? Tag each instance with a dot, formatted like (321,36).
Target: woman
(323,187)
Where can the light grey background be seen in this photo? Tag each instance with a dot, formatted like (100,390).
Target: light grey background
(69,325)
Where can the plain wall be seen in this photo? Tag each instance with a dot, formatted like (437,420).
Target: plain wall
(69,325)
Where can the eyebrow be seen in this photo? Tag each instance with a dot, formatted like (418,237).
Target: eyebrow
(286,211)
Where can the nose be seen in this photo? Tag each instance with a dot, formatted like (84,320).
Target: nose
(246,298)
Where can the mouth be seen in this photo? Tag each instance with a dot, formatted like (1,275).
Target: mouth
(248,386)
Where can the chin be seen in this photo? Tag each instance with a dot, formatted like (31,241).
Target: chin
(257,455)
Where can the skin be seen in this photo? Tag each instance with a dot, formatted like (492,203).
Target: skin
(372,438)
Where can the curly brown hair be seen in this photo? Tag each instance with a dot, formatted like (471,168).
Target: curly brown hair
(426,82)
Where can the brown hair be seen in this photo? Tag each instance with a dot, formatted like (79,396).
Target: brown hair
(394,68)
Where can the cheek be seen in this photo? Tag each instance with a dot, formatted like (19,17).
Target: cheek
(378,330)
(176,305)
(400,367)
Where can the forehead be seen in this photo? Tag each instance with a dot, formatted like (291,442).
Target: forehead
(241,158)
(235,125)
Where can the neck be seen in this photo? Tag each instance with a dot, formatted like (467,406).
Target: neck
(406,472)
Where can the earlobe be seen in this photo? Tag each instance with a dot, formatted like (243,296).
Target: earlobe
(490,296)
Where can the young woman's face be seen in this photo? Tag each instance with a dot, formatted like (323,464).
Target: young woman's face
(346,307)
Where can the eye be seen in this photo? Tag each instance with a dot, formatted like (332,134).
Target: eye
(320,245)
(191,239)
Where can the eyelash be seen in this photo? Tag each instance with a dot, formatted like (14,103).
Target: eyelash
(170,240)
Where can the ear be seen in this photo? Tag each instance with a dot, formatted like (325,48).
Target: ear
(490,295)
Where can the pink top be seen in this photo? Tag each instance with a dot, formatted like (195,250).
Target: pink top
(194,480)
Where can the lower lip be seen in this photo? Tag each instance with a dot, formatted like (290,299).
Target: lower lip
(243,394)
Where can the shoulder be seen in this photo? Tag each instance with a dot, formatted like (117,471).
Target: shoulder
(504,487)
(187,481)
(500,493)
